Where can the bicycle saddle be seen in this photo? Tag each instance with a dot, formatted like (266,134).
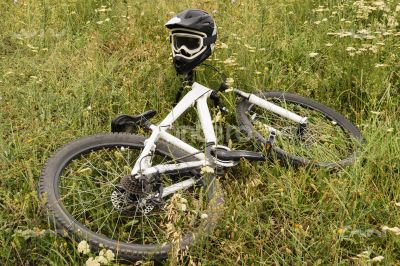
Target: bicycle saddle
(127,123)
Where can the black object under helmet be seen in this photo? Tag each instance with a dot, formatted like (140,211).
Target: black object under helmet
(193,22)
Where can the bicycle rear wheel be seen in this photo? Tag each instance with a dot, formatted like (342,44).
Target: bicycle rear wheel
(81,185)
(329,139)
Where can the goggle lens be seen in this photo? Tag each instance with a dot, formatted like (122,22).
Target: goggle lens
(191,43)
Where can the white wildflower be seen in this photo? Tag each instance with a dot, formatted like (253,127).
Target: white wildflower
(183,207)
(204,216)
(99,22)
(313,54)
(29,233)
(103,9)
(230,61)
(229,81)
(321,9)
(89,108)
(92,262)
(364,254)
(350,49)
(341,34)
(110,255)
(223,45)
(381,5)
(380,65)
(328,44)
(249,46)
(317,22)
(32,47)
(376,112)
(83,247)
(372,48)
(107,19)
(345,34)
(101,260)
(377,259)
(363,31)
(206,169)
(395,229)
(183,200)
(218,117)
(391,130)
(392,22)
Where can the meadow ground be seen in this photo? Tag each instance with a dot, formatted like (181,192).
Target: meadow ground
(68,67)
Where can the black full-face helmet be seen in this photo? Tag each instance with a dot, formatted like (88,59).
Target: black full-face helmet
(193,36)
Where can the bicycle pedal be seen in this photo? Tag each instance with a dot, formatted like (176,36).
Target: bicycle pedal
(128,123)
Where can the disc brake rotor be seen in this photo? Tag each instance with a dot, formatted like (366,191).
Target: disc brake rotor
(127,202)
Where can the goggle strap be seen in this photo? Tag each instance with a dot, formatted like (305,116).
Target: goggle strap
(206,41)
(209,40)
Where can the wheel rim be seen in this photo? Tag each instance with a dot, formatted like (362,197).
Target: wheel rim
(325,141)
(84,190)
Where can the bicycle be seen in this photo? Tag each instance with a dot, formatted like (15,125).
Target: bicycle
(172,195)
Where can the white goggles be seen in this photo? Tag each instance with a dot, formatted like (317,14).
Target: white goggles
(189,45)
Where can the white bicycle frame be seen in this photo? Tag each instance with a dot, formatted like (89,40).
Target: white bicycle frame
(198,96)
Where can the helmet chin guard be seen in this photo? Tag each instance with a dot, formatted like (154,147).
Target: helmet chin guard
(193,36)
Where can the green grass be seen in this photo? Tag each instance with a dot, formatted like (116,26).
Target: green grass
(59,58)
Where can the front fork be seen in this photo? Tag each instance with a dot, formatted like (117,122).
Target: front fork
(254,99)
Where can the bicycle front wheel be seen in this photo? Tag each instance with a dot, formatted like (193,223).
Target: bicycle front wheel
(81,185)
(329,139)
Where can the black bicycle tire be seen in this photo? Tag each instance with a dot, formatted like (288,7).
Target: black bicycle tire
(246,126)
(48,190)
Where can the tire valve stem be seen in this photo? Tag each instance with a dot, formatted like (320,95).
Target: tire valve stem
(269,142)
